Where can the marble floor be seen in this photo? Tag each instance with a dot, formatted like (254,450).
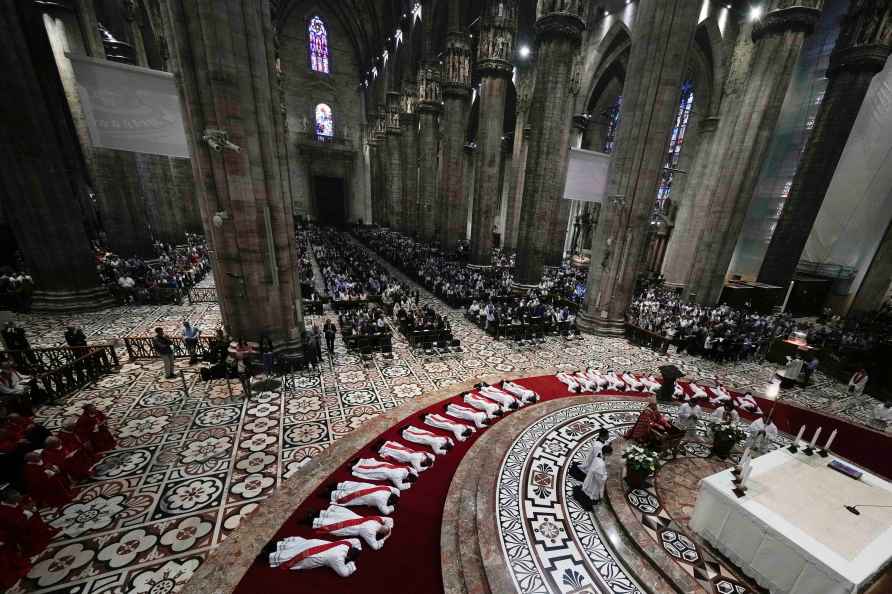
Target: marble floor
(191,464)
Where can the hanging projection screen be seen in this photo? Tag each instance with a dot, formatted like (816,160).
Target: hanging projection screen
(128,108)
(586,176)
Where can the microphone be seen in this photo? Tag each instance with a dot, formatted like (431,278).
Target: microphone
(854,508)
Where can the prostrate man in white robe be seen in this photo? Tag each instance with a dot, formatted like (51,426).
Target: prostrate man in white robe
(592,489)
(526,395)
(394,451)
(490,407)
(460,431)
(467,413)
(571,382)
(507,400)
(370,469)
(341,522)
(615,382)
(725,414)
(356,494)
(298,553)
(759,434)
(748,403)
(632,382)
(438,444)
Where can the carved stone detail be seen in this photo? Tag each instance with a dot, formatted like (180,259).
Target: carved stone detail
(794,18)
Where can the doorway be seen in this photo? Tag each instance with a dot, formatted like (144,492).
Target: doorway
(330,200)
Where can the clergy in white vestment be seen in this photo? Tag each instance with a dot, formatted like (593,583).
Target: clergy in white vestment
(725,414)
(760,433)
(595,478)
(688,414)
(601,446)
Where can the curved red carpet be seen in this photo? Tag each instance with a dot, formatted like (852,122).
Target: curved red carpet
(410,560)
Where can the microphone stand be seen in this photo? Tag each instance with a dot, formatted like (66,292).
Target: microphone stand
(854,508)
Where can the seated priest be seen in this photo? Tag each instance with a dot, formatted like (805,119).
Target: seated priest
(650,426)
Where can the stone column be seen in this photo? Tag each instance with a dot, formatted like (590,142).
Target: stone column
(690,220)
(748,120)
(657,64)
(374,178)
(875,285)
(409,159)
(43,177)
(382,166)
(518,157)
(429,107)
(236,135)
(541,234)
(452,202)
(861,50)
(394,180)
(495,51)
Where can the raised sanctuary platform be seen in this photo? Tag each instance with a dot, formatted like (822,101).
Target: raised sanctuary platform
(791,532)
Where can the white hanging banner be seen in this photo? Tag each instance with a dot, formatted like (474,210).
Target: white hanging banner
(129,108)
(586,176)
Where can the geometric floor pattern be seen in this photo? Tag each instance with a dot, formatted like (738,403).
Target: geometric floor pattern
(191,464)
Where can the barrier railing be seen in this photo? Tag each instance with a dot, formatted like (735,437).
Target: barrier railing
(202,295)
(36,361)
(647,338)
(61,370)
(141,347)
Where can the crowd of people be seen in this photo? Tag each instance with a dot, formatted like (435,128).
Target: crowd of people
(38,469)
(16,289)
(134,280)
(721,333)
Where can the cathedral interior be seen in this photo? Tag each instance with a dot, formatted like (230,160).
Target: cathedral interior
(446,296)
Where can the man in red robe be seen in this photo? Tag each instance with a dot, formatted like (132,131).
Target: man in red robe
(13,565)
(92,426)
(651,425)
(24,526)
(54,454)
(81,454)
(47,485)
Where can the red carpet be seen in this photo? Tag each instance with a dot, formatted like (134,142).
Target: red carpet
(409,561)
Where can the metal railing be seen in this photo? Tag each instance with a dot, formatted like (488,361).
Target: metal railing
(61,370)
(646,338)
(202,295)
(36,361)
(141,347)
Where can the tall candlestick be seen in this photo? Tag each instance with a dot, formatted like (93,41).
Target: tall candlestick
(830,441)
(746,475)
(814,439)
(799,436)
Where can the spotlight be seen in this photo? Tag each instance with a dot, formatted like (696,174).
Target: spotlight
(524,51)
(755,13)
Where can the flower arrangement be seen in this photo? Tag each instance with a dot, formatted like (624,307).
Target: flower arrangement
(728,432)
(641,460)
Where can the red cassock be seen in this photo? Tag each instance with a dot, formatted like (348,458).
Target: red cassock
(67,461)
(79,454)
(13,565)
(47,489)
(92,428)
(647,421)
(26,529)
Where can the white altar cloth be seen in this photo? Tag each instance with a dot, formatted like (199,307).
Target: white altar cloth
(791,532)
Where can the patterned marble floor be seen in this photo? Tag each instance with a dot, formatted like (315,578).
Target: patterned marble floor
(191,465)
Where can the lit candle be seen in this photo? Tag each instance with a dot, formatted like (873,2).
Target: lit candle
(744,458)
(830,441)
(799,435)
(746,475)
(814,438)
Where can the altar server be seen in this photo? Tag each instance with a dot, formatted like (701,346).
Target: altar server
(596,477)
(461,431)
(397,452)
(354,494)
(341,522)
(524,394)
(688,414)
(760,433)
(401,475)
(298,553)
(480,402)
(438,444)
(600,445)
(725,414)
(467,413)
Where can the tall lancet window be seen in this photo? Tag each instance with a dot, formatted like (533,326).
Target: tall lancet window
(324,121)
(318,45)
(676,142)
(613,116)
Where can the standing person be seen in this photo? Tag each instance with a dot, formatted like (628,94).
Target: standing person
(75,337)
(241,352)
(164,347)
(317,341)
(309,345)
(858,381)
(190,338)
(810,368)
(329,330)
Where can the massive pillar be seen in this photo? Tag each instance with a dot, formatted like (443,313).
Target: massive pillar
(689,220)
(495,51)
(650,101)
(876,283)
(747,124)
(236,135)
(429,98)
(542,214)
(382,163)
(43,176)
(394,180)
(518,157)
(374,176)
(409,159)
(861,51)
(452,201)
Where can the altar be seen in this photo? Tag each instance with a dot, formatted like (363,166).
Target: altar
(791,532)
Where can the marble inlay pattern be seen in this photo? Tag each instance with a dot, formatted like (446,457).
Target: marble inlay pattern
(191,464)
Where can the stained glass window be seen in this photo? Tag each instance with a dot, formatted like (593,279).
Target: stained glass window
(676,142)
(613,116)
(324,121)
(318,45)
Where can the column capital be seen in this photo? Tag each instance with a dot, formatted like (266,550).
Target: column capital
(495,48)
(559,24)
(858,58)
(457,63)
(868,22)
(794,18)
(429,89)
